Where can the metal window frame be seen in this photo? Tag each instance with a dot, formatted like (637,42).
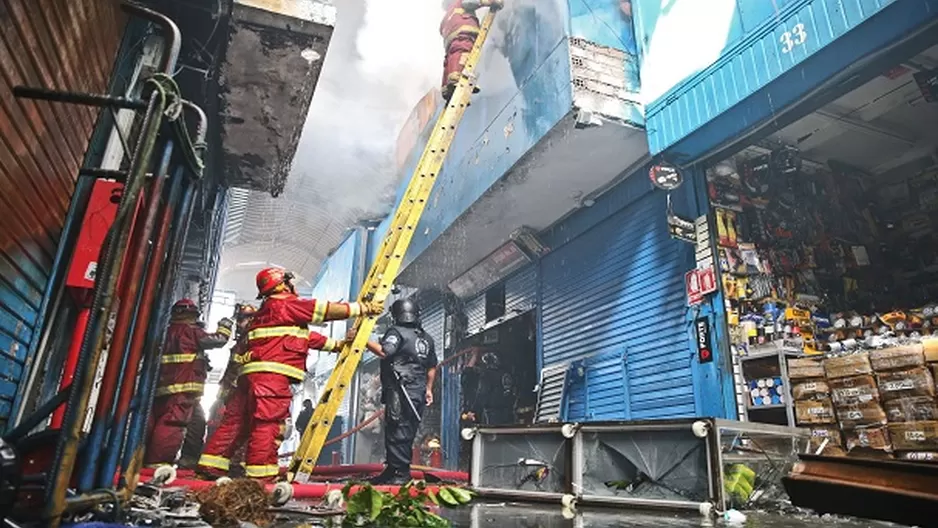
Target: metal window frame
(573,445)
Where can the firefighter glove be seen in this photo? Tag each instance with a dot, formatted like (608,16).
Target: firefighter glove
(372,307)
(224,326)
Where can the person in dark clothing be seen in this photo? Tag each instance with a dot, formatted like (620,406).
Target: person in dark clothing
(306,414)
(408,369)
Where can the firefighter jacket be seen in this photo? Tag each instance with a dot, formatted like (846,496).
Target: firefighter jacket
(229,380)
(278,339)
(458,23)
(184,365)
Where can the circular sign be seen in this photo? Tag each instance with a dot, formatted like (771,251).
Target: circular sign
(665,176)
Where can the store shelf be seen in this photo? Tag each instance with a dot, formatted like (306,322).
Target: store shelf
(767,352)
(775,406)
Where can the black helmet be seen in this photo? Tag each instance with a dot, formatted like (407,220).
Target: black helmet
(490,360)
(405,311)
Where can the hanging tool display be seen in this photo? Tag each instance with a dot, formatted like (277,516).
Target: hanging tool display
(381,277)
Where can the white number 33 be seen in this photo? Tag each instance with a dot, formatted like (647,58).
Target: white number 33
(791,39)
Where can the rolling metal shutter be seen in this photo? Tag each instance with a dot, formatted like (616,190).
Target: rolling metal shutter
(520,297)
(617,291)
(43,43)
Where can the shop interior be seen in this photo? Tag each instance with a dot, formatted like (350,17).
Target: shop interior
(501,391)
(828,236)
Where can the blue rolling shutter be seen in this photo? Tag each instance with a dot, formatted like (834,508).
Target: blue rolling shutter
(615,295)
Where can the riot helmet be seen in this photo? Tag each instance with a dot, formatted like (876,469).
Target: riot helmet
(405,312)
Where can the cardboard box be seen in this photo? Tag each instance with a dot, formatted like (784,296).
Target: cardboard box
(820,434)
(919,456)
(868,414)
(915,409)
(897,358)
(811,389)
(914,436)
(805,368)
(854,390)
(906,384)
(820,411)
(845,366)
(930,346)
(876,438)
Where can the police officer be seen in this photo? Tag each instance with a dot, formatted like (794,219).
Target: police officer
(497,389)
(408,369)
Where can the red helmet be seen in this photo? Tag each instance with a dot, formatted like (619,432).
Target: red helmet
(185,306)
(268,279)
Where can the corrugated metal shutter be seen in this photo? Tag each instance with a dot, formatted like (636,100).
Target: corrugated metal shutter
(520,297)
(475,314)
(619,289)
(521,292)
(65,45)
(432,317)
(597,389)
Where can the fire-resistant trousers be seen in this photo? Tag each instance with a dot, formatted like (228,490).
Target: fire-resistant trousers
(257,413)
(456,55)
(400,429)
(170,418)
(195,438)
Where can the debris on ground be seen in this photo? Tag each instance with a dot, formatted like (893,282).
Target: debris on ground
(241,500)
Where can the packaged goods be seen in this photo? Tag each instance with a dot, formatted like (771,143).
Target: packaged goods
(930,347)
(819,435)
(897,358)
(914,409)
(805,368)
(820,411)
(854,390)
(807,390)
(914,436)
(919,456)
(906,383)
(876,438)
(852,365)
(868,414)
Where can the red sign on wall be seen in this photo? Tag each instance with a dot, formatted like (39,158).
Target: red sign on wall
(699,283)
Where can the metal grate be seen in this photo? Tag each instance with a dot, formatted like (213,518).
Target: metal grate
(550,394)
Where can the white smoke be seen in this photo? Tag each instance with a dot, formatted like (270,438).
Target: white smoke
(383,57)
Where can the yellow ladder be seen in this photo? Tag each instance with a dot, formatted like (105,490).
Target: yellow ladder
(386,267)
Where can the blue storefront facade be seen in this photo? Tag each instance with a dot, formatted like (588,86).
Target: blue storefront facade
(599,280)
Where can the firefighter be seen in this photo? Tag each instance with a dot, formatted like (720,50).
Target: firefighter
(459,30)
(244,313)
(278,340)
(182,380)
(408,368)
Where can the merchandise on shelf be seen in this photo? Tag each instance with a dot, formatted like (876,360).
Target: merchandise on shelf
(884,401)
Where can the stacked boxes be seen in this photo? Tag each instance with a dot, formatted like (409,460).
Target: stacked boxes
(814,407)
(881,402)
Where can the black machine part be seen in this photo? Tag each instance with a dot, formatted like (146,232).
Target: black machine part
(9,478)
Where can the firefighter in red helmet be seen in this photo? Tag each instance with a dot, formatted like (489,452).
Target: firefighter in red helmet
(459,30)
(278,341)
(183,371)
(244,313)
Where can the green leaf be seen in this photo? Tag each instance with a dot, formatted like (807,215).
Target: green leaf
(446,498)
(432,496)
(376,503)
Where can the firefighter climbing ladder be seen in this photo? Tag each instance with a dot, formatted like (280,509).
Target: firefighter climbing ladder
(393,248)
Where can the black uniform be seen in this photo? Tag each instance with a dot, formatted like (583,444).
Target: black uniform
(410,353)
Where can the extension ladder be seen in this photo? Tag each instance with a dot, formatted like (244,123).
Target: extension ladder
(385,269)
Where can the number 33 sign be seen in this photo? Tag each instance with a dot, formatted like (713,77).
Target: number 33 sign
(793,38)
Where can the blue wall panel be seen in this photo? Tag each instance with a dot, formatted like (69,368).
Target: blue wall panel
(701,59)
(597,389)
(617,290)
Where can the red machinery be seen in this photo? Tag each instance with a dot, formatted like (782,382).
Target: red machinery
(102,208)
